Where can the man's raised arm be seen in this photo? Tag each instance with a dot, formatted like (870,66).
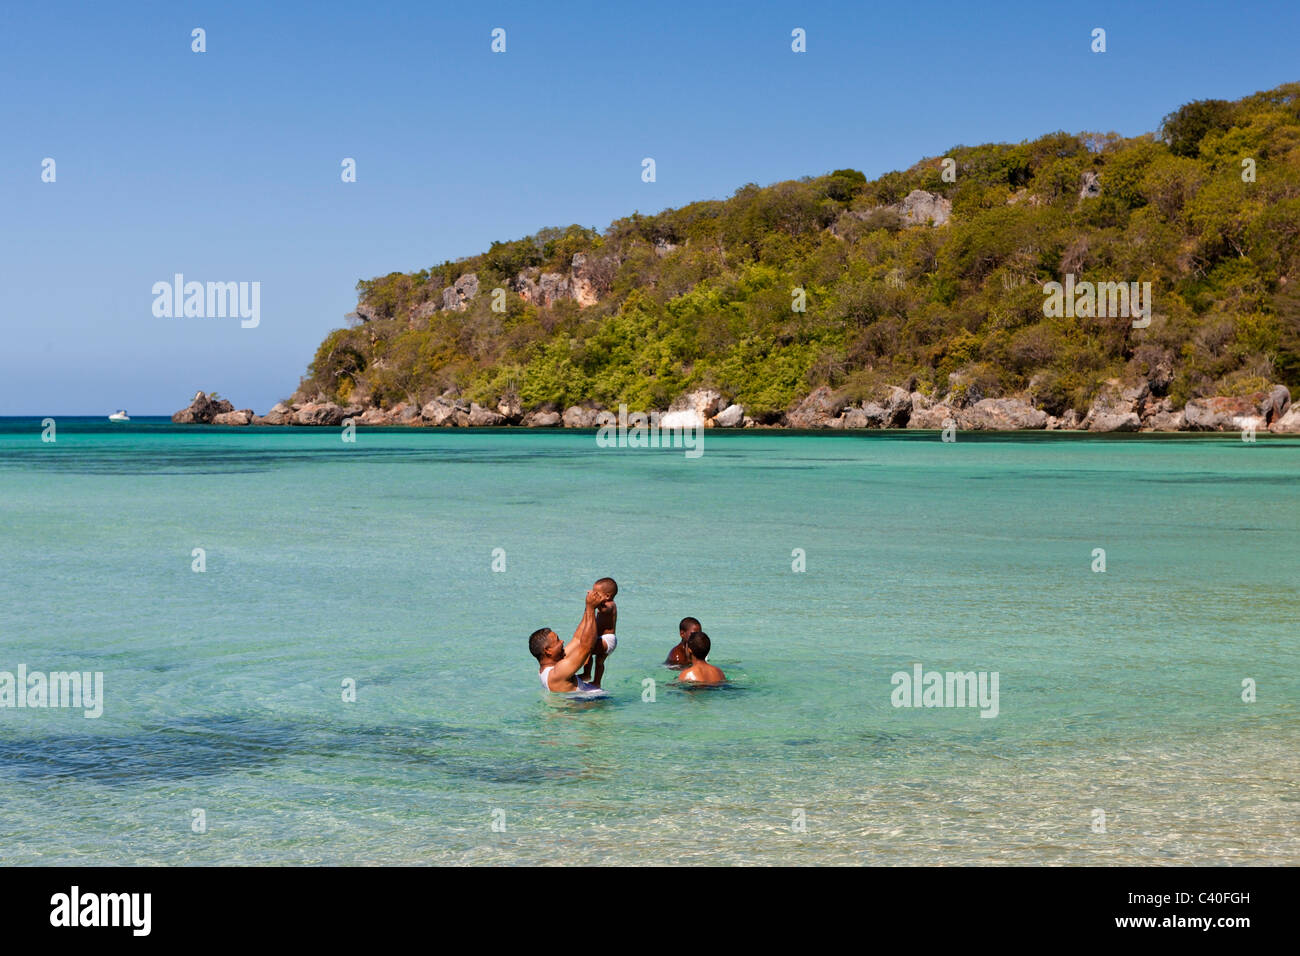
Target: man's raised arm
(579,649)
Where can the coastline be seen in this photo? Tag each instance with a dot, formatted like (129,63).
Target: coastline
(1117,408)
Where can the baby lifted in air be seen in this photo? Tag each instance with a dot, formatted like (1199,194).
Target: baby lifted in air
(606,622)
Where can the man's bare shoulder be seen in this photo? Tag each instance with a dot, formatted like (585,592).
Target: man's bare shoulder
(702,673)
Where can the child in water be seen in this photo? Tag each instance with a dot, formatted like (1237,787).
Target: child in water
(677,656)
(606,622)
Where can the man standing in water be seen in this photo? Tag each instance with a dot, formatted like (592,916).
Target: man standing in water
(679,656)
(559,663)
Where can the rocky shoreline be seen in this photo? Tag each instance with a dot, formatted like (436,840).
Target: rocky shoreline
(1118,407)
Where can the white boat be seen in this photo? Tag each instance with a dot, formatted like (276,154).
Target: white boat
(119,416)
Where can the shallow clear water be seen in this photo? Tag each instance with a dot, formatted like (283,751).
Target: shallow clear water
(1118,691)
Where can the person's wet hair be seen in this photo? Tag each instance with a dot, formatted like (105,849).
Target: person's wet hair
(699,644)
(537,642)
(608,585)
(688,624)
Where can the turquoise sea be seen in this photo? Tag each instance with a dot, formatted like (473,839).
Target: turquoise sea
(1119,691)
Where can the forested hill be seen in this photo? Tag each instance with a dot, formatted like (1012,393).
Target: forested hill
(930,278)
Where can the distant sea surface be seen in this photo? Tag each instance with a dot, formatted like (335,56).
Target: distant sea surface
(1121,736)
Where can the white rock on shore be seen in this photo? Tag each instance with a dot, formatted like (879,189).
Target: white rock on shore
(682,418)
(704,402)
(579,417)
(542,420)
(1001,414)
(1288,424)
(733,416)
(1113,410)
(244,416)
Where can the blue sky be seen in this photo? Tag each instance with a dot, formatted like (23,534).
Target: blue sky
(225,165)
